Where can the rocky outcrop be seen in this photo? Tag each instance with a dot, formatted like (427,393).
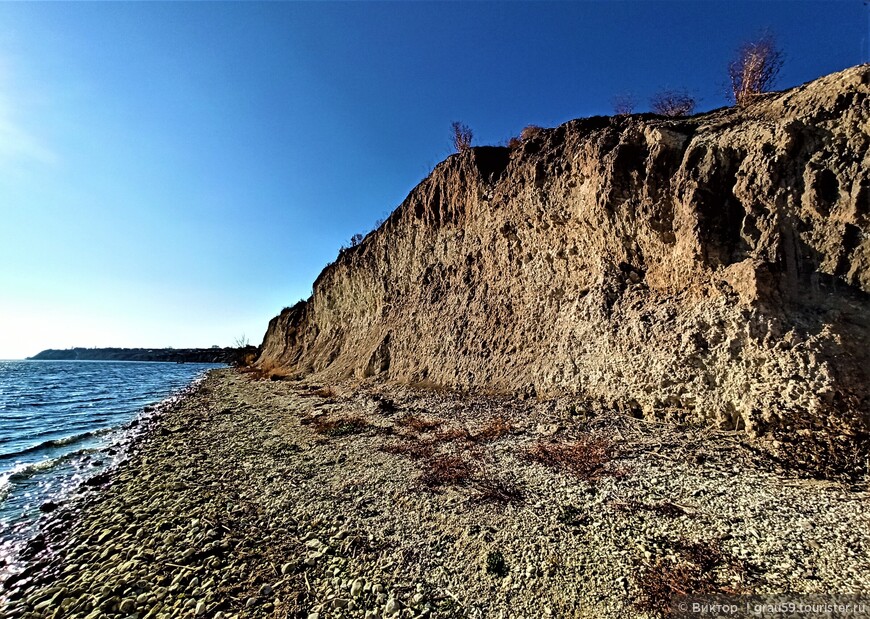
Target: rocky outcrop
(708,269)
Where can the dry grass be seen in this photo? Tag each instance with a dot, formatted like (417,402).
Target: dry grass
(266,371)
(691,569)
(325,392)
(493,429)
(498,490)
(445,471)
(586,457)
(418,423)
(416,450)
(339,426)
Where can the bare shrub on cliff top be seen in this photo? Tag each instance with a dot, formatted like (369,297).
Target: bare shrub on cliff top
(673,103)
(754,68)
(462,136)
(529,132)
(624,104)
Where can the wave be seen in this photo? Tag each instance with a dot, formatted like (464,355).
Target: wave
(25,470)
(55,443)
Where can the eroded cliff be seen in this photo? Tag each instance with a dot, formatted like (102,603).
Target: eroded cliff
(711,269)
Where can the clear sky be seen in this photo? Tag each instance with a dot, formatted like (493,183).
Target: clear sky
(173,174)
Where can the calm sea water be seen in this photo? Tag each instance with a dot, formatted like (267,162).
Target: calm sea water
(62,422)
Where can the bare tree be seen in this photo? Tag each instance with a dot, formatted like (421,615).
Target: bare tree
(623,104)
(754,68)
(356,239)
(241,341)
(461,136)
(673,103)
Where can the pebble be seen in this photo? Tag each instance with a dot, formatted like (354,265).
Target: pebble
(357,587)
(427,536)
(392,607)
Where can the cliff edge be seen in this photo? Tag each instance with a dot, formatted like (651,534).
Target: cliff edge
(711,269)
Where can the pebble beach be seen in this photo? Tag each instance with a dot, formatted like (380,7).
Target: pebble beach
(261,498)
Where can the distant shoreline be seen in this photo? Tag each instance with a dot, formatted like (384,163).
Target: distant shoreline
(165,355)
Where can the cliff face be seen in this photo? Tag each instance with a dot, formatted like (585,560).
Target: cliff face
(714,268)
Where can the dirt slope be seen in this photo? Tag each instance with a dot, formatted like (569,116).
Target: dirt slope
(709,269)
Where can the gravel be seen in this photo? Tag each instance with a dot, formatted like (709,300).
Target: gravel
(238,503)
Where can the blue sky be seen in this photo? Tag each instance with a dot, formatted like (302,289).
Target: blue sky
(173,174)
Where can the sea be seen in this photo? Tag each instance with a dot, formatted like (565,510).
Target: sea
(62,422)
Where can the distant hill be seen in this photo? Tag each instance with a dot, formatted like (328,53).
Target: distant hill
(169,355)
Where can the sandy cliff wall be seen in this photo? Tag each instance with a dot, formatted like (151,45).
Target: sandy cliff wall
(711,268)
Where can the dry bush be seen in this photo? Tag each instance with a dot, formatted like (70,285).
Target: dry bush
(339,426)
(514,143)
(325,392)
(493,429)
(754,68)
(415,450)
(418,423)
(498,490)
(266,371)
(462,136)
(673,103)
(530,132)
(452,434)
(586,457)
(445,470)
(623,104)
(691,570)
